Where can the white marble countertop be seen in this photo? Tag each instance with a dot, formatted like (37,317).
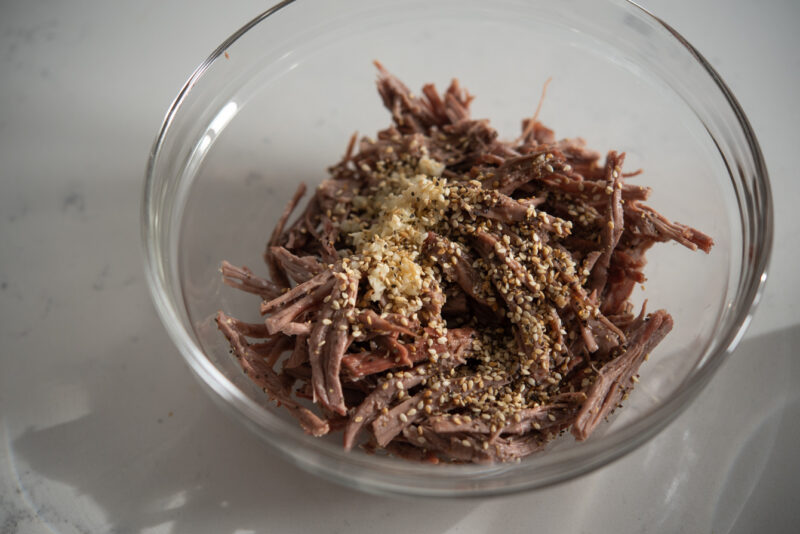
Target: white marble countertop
(104,430)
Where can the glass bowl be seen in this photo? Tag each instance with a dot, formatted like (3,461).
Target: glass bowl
(277,102)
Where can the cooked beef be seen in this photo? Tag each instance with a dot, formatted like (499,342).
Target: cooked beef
(243,278)
(278,274)
(613,227)
(456,263)
(329,340)
(387,389)
(646,222)
(615,377)
(287,307)
(362,364)
(299,354)
(453,296)
(299,269)
(265,377)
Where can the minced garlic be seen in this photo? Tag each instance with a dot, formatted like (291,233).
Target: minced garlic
(389,227)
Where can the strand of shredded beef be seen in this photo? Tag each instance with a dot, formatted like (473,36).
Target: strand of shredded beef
(513,327)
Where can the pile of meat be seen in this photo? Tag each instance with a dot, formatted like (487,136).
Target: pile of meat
(448,296)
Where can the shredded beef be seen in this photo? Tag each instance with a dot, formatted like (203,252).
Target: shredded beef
(448,296)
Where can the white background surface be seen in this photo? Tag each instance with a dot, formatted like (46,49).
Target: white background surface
(102,428)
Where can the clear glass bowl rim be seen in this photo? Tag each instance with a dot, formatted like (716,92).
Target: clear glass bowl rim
(593,454)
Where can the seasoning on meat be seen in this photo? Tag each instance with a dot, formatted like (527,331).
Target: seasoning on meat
(452,296)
